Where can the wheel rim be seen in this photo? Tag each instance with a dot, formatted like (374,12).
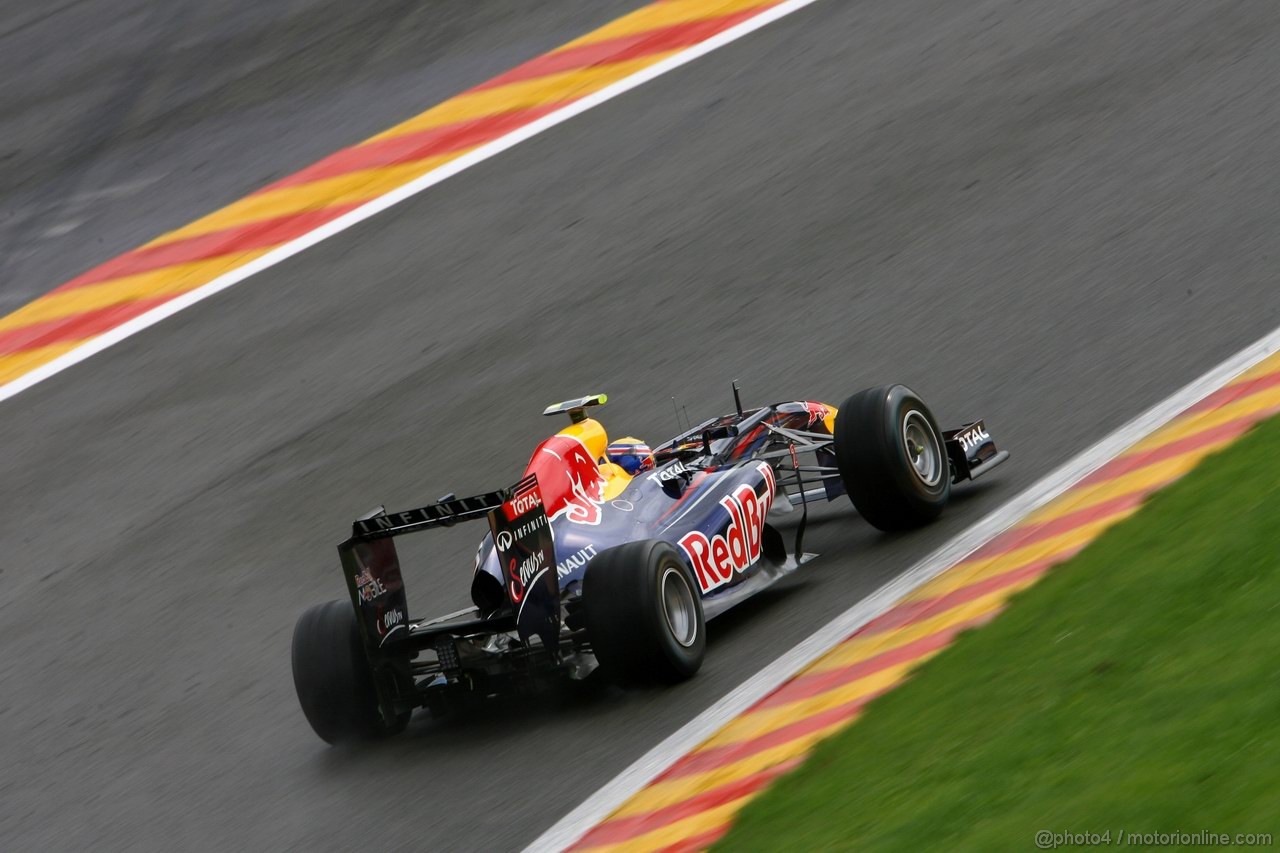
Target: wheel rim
(678,607)
(922,447)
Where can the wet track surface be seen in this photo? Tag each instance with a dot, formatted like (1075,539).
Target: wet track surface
(1049,217)
(121,119)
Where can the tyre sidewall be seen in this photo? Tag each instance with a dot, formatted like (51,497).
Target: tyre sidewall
(874,464)
(684,660)
(622,594)
(901,402)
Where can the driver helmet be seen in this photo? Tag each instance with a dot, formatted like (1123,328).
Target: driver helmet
(631,455)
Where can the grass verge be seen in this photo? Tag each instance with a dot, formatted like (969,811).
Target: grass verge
(1136,689)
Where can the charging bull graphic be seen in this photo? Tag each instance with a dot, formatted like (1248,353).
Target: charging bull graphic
(570,480)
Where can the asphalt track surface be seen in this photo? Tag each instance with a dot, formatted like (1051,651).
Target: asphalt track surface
(121,119)
(1051,215)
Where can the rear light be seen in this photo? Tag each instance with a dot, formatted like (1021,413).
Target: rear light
(447,653)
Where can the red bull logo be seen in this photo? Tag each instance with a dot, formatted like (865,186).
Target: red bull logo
(717,558)
(569,479)
(817,412)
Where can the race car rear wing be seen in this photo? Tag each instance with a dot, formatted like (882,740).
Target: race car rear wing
(521,535)
(447,512)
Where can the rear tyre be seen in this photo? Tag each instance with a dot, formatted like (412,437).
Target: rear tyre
(891,457)
(332,676)
(643,613)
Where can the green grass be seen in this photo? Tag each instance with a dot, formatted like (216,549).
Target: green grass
(1135,688)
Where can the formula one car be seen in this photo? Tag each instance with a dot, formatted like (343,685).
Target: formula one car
(611,557)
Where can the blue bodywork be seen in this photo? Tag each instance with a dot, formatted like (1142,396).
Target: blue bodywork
(699,495)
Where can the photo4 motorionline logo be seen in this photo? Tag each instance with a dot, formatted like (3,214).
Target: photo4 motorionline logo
(1048,840)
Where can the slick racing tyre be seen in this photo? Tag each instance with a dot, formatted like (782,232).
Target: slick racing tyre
(643,613)
(332,676)
(891,457)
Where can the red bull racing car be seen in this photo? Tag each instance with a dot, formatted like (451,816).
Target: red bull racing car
(611,557)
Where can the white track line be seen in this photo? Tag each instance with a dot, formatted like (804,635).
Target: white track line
(394,197)
(582,819)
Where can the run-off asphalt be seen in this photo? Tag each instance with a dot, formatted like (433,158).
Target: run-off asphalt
(1049,217)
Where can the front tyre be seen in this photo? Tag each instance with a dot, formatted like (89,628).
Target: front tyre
(892,458)
(332,676)
(643,613)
